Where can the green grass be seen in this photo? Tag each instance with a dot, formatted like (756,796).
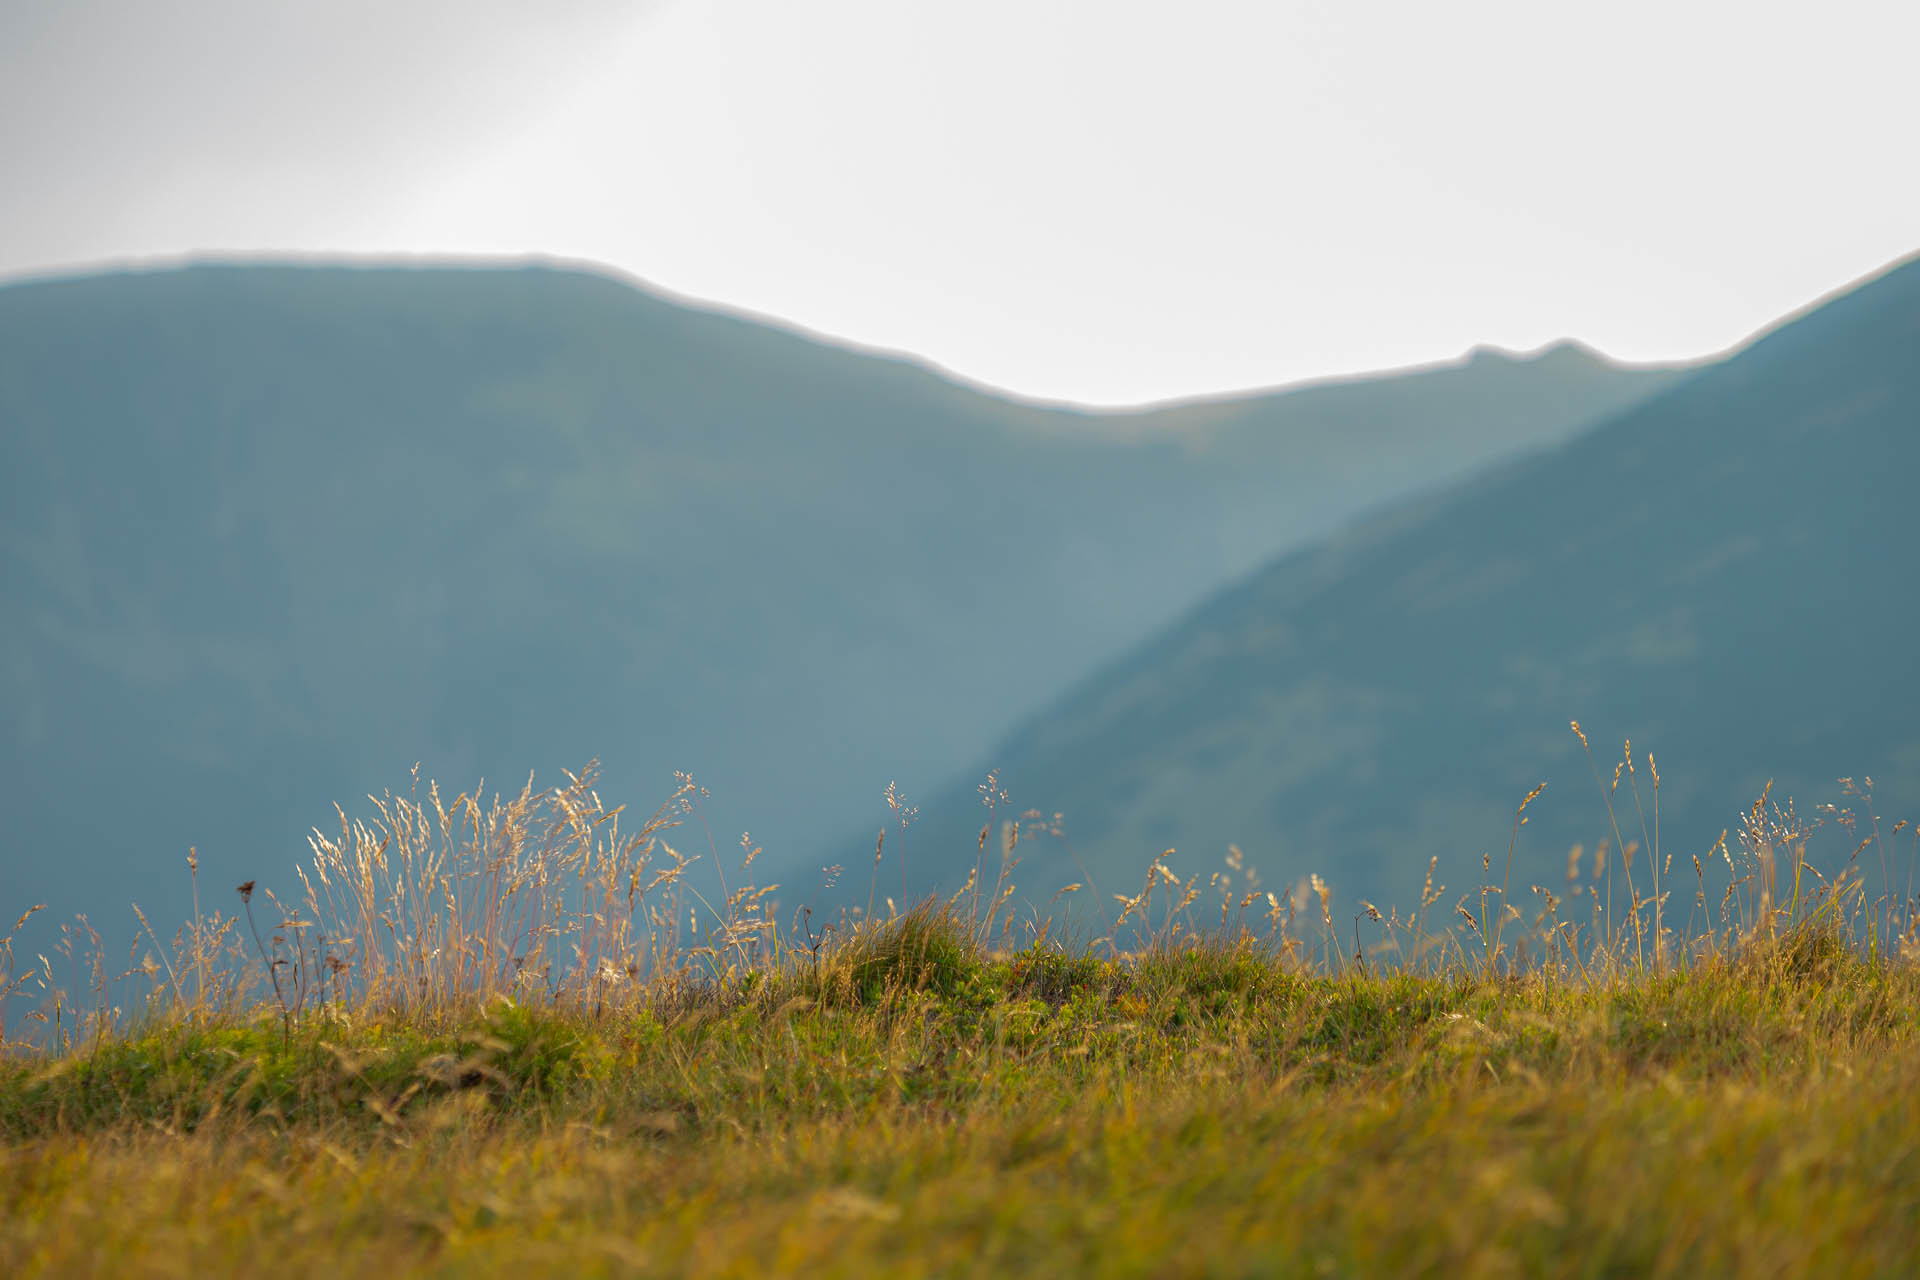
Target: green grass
(907,1103)
(501,1041)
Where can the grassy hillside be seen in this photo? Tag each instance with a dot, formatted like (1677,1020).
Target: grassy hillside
(1248,1123)
(272,534)
(1722,575)
(1219,1088)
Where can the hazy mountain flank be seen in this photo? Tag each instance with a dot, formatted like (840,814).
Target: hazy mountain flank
(1725,573)
(273,534)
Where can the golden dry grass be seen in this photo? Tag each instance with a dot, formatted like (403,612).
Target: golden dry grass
(490,1039)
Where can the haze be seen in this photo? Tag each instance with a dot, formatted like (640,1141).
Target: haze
(1107,203)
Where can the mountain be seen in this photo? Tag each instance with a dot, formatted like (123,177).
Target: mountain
(1726,574)
(272,534)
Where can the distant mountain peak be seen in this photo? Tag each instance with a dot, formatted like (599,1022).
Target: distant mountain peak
(1714,573)
(1565,351)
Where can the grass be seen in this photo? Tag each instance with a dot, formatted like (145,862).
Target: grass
(528,1057)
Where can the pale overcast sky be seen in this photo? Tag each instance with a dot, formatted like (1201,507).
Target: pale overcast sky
(1105,201)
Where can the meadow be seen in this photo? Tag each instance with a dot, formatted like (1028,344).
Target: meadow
(512,1035)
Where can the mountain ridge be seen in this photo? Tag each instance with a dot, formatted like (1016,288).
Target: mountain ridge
(272,535)
(1290,637)
(1558,348)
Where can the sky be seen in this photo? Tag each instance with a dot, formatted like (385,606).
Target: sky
(1107,202)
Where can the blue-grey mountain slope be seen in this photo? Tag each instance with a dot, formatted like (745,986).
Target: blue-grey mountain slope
(1727,573)
(273,534)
